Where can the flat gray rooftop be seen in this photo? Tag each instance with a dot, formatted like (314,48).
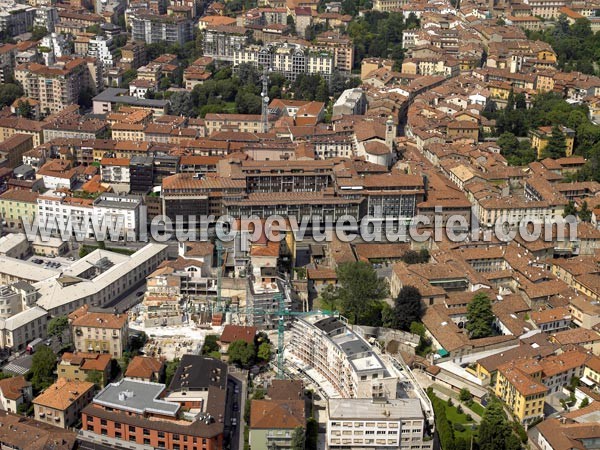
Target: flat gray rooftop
(136,396)
(366,409)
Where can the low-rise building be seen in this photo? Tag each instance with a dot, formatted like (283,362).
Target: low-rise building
(14,391)
(99,332)
(61,403)
(354,423)
(137,412)
(78,366)
(19,432)
(144,368)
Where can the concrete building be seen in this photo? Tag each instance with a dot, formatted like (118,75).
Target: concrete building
(102,48)
(119,211)
(54,46)
(61,403)
(153,29)
(344,358)
(15,18)
(20,329)
(46,17)
(221,42)
(352,102)
(98,278)
(377,423)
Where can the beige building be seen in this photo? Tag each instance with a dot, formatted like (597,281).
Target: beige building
(99,332)
(57,86)
(61,403)
(251,123)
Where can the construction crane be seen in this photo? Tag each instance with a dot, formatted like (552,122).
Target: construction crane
(282,312)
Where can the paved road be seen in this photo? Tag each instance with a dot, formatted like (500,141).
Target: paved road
(239,379)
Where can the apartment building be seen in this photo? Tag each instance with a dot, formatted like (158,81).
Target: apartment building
(102,48)
(222,42)
(524,394)
(15,18)
(152,28)
(351,102)
(344,358)
(78,366)
(99,332)
(58,86)
(119,211)
(144,368)
(389,5)
(141,413)
(288,59)
(17,206)
(61,403)
(115,170)
(354,423)
(248,123)
(21,328)
(342,48)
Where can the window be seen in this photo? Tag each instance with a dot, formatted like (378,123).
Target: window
(102,421)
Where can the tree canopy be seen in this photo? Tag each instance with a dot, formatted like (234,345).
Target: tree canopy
(43,365)
(359,292)
(407,308)
(241,353)
(495,431)
(480,317)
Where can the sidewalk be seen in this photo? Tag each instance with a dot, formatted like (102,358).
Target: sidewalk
(445,393)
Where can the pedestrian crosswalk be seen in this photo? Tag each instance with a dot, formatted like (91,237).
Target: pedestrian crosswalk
(13,368)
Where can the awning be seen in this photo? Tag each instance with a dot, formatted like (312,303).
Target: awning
(587,381)
(442,352)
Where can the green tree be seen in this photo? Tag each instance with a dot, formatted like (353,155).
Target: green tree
(480,317)
(557,144)
(38,33)
(570,209)
(182,104)
(96,377)
(407,308)
(94,29)
(215,355)
(248,103)
(128,77)
(494,431)
(264,351)
(241,353)
(24,109)
(43,365)
(584,402)
(312,434)
(298,439)
(465,395)
(210,344)
(9,92)
(170,370)
(57,326)
(585,214)
(359,289)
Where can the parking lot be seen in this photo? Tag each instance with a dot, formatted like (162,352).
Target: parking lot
(57,262)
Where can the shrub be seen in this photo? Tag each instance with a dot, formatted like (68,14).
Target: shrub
(459,427)
(459,409)
(450,402)
(469,418)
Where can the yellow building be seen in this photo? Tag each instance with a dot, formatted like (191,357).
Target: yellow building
(128,131)
(99,332)
(78,366)
(521,391)
(541,137)
(17,206)
(591,371)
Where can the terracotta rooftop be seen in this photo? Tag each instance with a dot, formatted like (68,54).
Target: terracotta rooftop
(143,367)
(84,318)
(12,388)
(232,333)
(277,414)
(63,394)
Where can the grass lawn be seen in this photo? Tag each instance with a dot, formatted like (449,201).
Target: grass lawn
(477,409)
(230,107)
(454,416)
